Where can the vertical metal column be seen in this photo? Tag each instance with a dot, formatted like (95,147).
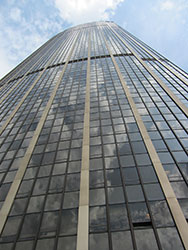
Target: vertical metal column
(25,160)
(27,93)
(176,211)
(159,81)
(83,214)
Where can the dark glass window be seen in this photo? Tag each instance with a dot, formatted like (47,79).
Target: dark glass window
(67,243)
(49,223)
(134,193)
(118,217)
(139,212)
(47,244)
(145,239)
(98,219)
(30,225)
(69,219)
(170,239)
(98,241)
(122,240)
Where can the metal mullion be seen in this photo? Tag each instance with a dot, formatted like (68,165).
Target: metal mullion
(165,184)
(168,73)
(28,200)
(123,186)
(26,94)
(160,97)
(25,74)
(50,176)
(153,55)
(16,183)
(66,44)
(83,210)
(16,98)
(140,180)
(104,173)
(45,197)
(66,171)
(43,56)
(103,160)
(150,95)
(41,83)
(154,76)
(160,73)
(121,174)
(24,135)
(35,53)
(163,119)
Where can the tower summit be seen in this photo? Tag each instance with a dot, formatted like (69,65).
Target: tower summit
(93,146)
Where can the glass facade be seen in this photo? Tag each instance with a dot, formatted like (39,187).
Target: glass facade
(93,146)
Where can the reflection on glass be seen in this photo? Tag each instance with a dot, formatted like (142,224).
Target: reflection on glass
(71,200)
(184,207)
(153,192)
(11,227)
(124,148)
(96,179)
(56,183)
(59,168)
(18,206)
(69,219)
(96,164)
(170,239)
(142,159)
(46,244)
(98,241)
(134,193)
(35,204)
(24,245)
(53,202)
(98,219)
(67,243)
(97,197)
(49,223)
(30,173)
(115,195)
(44,171)
(161,213)
(180,189)
(127,161)
(30,225)
(41,186)
(113,177)
(130,176)
(122,240)
(118,217)
(4,191)
(147,174)
(139,212)
(145,239)
(73,182)
(111,162)
(25,188)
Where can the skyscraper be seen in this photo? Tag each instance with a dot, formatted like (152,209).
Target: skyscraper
(93,146)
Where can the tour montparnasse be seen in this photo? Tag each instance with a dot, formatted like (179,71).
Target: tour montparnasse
(93,146)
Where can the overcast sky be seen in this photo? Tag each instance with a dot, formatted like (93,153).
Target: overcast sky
(27,24)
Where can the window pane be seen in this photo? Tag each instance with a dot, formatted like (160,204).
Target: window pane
(118,217)
(122,241)
(170,239)
(145,239)
(98,219)
(98,241)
